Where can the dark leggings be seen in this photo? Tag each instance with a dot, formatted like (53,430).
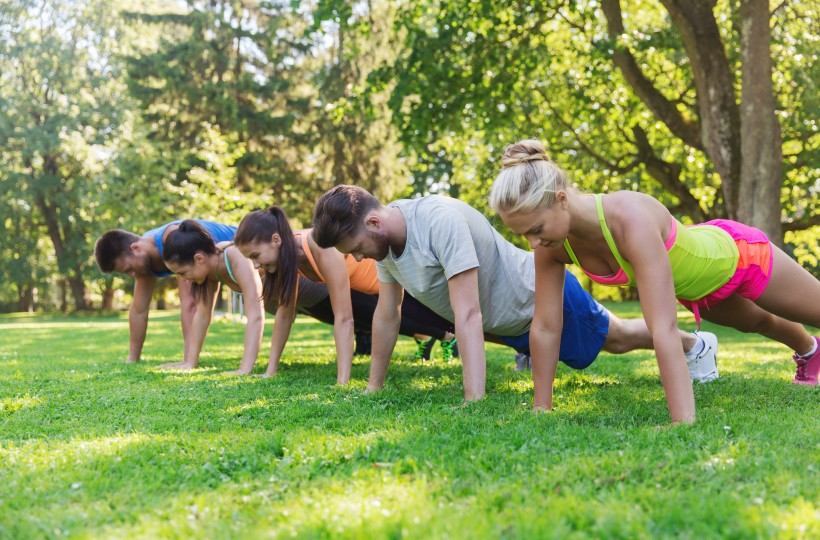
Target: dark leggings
(416,318)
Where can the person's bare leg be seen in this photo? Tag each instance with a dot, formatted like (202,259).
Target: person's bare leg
(630,334)
(792,294)
(744,315)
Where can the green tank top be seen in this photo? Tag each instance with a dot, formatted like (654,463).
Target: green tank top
(703,258)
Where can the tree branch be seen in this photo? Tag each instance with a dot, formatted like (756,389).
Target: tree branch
(664,109)
(801,224)
(668,174)
(586,147)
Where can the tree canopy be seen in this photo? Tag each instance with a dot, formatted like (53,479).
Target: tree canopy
(130,114)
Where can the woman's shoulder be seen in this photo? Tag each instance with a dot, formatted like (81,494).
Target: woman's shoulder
(633,204)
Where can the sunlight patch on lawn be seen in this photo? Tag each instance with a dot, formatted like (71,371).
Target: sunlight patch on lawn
(308,447)
(45,455)
(261,403)
(800,520)
(10,405)
(520,386)
(64,324)
(346,506)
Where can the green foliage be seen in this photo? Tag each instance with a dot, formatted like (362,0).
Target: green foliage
(477,77)
(129,114)
(94,448)
(58,114)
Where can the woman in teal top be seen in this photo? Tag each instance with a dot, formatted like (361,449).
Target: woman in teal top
(723,270)
(190,252)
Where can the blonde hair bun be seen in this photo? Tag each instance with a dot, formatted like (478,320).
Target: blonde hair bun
(524,151)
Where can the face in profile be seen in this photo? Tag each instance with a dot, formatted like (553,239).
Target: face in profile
(133,265)
(196,272)
(367,244)
(263,255)
(543,227)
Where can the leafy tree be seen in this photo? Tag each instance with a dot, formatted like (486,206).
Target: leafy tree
(678,101)
(57,111)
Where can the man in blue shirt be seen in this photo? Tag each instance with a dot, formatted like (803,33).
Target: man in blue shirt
(140,257)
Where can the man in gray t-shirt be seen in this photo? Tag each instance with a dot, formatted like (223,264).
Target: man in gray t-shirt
(448,256)
(445,237)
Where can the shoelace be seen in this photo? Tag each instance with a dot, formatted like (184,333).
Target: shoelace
(422,348)
(447,349)
(801,370)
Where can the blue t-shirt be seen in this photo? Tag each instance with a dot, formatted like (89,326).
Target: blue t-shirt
(218,231)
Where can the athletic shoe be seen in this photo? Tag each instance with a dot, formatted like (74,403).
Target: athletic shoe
(703,365)
(522,362)
(364,343)
(808,368)
(425,347)
(449,349)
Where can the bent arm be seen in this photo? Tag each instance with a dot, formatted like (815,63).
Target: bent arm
(138,315)
(464,300)
(547,323)
(386,322)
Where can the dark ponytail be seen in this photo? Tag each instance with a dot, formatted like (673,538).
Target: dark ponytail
(180,246)
(258,227)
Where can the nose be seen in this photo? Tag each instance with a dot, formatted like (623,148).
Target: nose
(534,242)
(358,257)
(256,265)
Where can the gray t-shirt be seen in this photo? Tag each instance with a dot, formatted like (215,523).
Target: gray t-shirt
(446,237)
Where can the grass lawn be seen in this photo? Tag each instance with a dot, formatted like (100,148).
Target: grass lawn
(93,448)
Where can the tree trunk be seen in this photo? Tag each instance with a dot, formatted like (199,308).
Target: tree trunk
(108,296)
(63,288)
(25,297)
(73,277)
(761,170)
(719,114)
(78,291)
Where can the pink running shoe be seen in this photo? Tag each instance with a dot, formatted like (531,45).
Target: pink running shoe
(808,368)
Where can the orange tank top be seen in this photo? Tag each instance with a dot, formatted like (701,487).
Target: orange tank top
(363,275)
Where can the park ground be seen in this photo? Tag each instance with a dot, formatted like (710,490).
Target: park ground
(93,448)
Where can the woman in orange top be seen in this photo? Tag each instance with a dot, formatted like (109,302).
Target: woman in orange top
(265,237)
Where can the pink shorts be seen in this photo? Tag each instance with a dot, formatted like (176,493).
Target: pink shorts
(754,266)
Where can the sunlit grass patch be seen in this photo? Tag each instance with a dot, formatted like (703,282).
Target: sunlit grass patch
(93,448)
(10,405)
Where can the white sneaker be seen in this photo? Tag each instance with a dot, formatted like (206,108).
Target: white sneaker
(703,366)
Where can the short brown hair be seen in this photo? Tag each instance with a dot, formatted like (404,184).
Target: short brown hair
(111,246)
(340,213)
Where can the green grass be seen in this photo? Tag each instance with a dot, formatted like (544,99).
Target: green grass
(93,448)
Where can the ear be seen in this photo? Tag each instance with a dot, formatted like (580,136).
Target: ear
(562,198)
(276,240)
(199,257)
(372,222)
(135,248)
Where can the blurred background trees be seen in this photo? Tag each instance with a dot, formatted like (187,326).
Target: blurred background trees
(130,114)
